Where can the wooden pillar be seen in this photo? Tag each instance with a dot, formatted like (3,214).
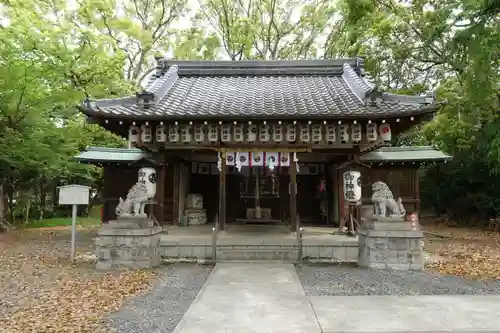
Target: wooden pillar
(417,190)
(222,193)
(293,196)
(341,199)
(335,192)
(160,192)
(106,195)
(175,194)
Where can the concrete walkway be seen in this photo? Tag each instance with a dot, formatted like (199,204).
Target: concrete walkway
(268,298)
(407,313)
(250,298)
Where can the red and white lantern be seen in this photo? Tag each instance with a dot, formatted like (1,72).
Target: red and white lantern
(385,132)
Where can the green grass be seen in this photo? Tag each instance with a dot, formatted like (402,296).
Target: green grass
(64,221)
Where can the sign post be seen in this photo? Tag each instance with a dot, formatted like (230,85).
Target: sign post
(73,195)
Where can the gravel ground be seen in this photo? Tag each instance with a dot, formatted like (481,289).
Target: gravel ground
(160,310)
(354,281)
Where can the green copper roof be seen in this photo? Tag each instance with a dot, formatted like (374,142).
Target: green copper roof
(101,154)
(405,154)
(386,154)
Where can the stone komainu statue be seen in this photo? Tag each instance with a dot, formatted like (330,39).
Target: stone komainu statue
(384,203)
(135,202)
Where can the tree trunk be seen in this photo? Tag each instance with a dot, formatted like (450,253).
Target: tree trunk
(10,203)
(2,204)
(28,206)
(43,198)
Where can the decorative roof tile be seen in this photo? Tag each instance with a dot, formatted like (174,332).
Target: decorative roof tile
(260,89)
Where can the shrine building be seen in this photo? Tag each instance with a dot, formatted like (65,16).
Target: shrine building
(259,141)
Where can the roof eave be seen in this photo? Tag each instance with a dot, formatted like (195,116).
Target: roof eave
(427,110)
(381,155)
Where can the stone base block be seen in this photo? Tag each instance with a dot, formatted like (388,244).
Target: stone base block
(131,222)
(385,225)
(390,245)
(128,248)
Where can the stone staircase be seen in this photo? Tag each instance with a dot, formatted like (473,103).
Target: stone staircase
(282,253)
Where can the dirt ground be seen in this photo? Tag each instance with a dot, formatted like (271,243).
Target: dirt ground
(465,252)
(42,291)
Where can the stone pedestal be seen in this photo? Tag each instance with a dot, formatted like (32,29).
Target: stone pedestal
(128,243)
(390,243)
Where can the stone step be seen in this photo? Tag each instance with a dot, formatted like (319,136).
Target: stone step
(257,253)
(257,249)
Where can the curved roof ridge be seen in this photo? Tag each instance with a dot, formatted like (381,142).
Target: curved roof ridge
(104,102)
(357,85)
(408,99)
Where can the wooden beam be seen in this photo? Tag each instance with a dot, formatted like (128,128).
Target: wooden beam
(248,147)
(222,193)
(293,196)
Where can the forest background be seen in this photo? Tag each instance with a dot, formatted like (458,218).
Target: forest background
(55,53)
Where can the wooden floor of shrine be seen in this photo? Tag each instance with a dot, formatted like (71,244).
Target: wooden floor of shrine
(241,242)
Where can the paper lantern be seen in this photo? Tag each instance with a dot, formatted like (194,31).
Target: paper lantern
(352,186)
(344,133)
(264,135)
(186,135)
(385,132)
(161,133)
(213,135)
(331,133)
(356,133)
(304,133)
(291,133)
(252,131)
(173,133)
(238,132)
(147,176)
(146,133)
(199,135)
(371,132)
(225,133)
(134,134)
(317,133)
(277,133)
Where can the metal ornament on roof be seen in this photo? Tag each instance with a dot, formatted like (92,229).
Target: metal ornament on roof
(352,186)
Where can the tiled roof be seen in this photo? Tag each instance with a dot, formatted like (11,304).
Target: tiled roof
(386,154)
(260,89)
(405,154)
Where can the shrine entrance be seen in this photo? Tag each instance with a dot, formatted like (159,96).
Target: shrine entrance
(261,181)
(259,194)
